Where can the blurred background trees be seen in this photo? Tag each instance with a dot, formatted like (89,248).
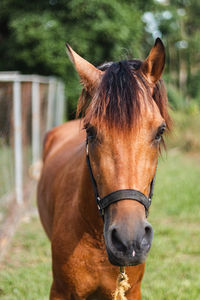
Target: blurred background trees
(33,36)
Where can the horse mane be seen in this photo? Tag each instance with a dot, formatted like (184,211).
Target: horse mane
(117,100)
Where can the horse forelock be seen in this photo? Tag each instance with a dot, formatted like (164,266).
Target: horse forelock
(117,101)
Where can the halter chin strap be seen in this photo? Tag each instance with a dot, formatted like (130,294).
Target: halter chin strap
(118,195)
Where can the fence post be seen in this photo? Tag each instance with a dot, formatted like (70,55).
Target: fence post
(62,102)
(18,141)
(50,103)
(59,103)
(35,121)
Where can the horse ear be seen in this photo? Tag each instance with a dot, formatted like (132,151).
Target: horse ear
(154,64)
(90,76)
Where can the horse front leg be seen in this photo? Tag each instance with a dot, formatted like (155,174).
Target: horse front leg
(55,294)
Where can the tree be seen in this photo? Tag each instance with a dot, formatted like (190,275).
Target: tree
(180,27)
(33,35)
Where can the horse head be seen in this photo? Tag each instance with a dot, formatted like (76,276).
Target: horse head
(124,108)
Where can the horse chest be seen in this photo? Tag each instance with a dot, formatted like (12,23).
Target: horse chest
(82,269)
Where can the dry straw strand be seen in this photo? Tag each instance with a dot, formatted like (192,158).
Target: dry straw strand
(122,286)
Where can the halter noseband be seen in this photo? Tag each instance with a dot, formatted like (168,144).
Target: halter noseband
(118,195)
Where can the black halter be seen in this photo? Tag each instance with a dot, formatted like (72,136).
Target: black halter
(118,195)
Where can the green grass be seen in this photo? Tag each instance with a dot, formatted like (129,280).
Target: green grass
(6,169)
(172,268)
(7,175)
(6,178)
(26,270)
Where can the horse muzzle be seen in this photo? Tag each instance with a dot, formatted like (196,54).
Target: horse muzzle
(128,246)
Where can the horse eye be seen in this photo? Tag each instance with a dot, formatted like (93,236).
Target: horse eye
(91,132)
(160,132)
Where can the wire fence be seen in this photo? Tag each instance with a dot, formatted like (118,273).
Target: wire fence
(30,105)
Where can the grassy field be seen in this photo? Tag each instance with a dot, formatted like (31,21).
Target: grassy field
(172,269)
(6,172)
(6,178)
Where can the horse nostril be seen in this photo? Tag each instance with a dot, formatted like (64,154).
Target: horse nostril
(148,230)
(147,238)
(117,242)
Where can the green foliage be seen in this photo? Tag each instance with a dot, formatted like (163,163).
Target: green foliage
(175,97)
(179,24)
(34,35)
(185,135)
(194,86)
(44,36)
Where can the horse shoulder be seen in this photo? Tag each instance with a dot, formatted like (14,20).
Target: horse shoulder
(60,135)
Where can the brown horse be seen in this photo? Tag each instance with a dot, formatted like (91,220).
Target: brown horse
(124,113)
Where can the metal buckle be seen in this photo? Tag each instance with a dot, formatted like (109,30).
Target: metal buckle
(87,149)
(100,209)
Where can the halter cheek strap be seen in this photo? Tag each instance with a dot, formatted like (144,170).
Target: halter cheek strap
(125,194)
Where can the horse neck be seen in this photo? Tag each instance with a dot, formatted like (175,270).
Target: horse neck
(87,203)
